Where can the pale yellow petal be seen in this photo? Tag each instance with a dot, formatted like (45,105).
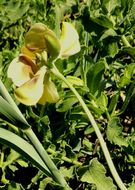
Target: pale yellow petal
(30,92)
(50,93)
(19,72)
(69,40)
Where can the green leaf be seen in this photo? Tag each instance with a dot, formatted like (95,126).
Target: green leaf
(95,173)
(65,105)
(108,33)
(10,106)
(114,132)
(73,80)
(10,113)
(132,187)
(129,50)
(102,101)
(13,156)
(15,186)
(67,172)
(128,74)
(103,20)
(129,94)
(95,80)
(112,48)
(24,148)
(44,183)
(110,5)
(15,11)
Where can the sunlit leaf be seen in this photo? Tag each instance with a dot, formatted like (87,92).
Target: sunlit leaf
(95,173)
(114,132)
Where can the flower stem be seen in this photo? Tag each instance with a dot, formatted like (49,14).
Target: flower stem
(111,166)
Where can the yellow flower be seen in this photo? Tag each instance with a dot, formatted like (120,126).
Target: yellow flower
(29,75)
(29,79)
(69,40)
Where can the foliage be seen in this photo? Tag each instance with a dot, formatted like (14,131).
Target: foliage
(103,74)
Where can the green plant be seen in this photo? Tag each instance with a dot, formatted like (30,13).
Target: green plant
(99,79)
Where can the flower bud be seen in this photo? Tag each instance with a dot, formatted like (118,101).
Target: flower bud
(40,38)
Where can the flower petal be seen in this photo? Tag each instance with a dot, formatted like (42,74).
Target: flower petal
(26,51)
(34,39)
(30,92)
(50,93)
(69,40)
(19,72)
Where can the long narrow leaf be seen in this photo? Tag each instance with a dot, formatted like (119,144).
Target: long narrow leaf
(10,113)
(8,98)
(24,148)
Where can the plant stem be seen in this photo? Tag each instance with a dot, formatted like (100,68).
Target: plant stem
(125,41)
(64,158)
(57,176)
(111,166)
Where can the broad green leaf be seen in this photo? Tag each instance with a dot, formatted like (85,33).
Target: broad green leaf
(103,20)
(95,173)
(68,172)
(112,48)
(65,105)
(95,80)
(128,74)
(114,132)
(107,33)
(102,102)
(110,5)
(73,80)
(24,148)
(132,187)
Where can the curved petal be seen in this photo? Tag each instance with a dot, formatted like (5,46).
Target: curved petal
(30,92)
(69,40)
(26,51)
(50,93)
(19,72)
